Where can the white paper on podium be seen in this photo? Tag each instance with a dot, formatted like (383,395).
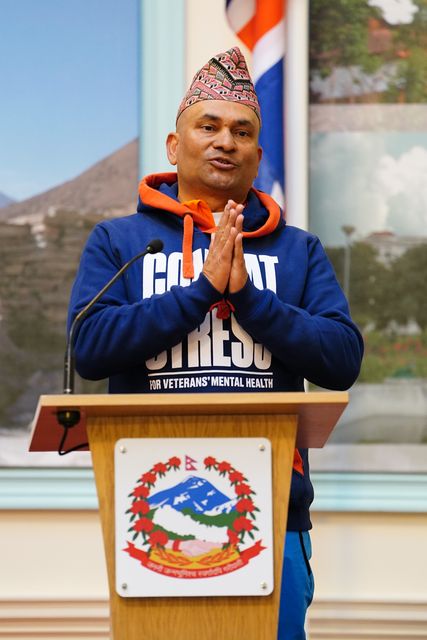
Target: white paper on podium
(193,517)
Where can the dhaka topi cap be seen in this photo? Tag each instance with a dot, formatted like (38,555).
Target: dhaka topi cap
(224,77)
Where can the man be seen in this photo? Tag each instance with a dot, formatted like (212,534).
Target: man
(237,300)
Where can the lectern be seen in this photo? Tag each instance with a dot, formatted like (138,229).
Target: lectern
(285,420)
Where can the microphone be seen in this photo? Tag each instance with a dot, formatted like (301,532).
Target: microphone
(154,246)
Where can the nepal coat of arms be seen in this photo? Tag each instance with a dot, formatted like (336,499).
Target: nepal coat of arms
(195,522)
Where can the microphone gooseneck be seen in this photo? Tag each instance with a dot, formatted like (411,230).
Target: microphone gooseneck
(154,246)
(69,418)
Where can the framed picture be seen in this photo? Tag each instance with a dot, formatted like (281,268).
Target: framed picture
(368,205)
(68,159)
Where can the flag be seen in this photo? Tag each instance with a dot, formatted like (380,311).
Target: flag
(260,26)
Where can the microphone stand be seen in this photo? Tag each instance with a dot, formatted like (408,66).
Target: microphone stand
(68,418)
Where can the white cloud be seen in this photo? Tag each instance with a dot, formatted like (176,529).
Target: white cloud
(396,11)
(341,185)
(403,183)
(354,179)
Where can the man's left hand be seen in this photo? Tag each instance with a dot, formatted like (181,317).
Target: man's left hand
(238,271)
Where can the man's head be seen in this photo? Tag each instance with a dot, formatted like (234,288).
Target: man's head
(215,145)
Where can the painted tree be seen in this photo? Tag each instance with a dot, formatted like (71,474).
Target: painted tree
(410,81)
(409,274)
(339,35)
(371,284)
(352,35)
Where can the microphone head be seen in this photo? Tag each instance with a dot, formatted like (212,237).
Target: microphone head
(154,246)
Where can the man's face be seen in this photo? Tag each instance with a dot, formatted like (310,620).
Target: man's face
(216,151)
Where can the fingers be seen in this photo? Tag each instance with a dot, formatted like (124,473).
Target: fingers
(239,222)
(235,210)
(218,264)
(228,218)
(238,272)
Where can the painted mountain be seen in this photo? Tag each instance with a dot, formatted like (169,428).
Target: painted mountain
(194,494)
(5,201)
(41,240)
(107,188)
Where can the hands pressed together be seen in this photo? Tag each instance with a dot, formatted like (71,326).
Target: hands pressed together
(225,264)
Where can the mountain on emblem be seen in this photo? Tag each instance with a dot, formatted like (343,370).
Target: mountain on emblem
(194,493)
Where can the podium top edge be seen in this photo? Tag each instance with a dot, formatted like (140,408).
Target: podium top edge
(317,412)
(196,402)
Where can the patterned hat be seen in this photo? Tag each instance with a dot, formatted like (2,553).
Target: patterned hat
(224,77)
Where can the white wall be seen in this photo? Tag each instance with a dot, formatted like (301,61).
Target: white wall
(370,572)
(53,580)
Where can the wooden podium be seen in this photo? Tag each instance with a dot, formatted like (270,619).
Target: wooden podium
(286,419)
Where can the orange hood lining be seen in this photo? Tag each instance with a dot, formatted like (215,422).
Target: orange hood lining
(193,214)
(150,195)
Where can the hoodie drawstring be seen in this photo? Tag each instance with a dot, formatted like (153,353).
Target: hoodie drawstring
(224,309)
(201,211)
(187,247)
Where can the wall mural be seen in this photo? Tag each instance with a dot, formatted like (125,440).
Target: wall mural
(368,200)
(69,159)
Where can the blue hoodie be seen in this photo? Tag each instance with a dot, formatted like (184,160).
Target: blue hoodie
(156,331)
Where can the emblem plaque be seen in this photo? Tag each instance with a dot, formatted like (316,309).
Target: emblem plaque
(193,517)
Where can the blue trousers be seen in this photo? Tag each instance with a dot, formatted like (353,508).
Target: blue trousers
(297,586)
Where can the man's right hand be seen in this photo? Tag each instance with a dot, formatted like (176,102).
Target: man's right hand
(218,263)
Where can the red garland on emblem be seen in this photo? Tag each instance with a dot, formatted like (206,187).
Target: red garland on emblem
(141,518)
(244,506)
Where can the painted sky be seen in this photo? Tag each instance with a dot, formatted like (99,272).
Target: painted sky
(373,181)
(69,88)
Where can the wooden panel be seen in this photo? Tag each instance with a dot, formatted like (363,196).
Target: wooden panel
(245,618)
